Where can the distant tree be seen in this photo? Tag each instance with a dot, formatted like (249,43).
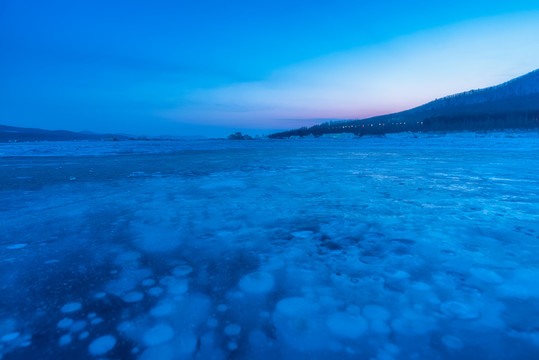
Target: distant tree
(239,136)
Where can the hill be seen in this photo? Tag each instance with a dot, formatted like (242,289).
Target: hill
(513,104)
(15,134)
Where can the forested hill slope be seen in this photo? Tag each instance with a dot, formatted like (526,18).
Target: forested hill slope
(513,104)
(13,133)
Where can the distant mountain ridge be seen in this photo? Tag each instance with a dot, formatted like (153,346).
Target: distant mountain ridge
(519,88)
(14,134)
(513,104)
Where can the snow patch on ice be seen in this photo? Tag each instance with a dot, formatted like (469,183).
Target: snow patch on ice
(65,323)
(16,246)
(71,307)
(102,345)
(10,336)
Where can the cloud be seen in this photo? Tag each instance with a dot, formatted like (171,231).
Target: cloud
(383,78)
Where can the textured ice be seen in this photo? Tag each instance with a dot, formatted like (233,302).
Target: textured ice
(155,291)
(65,340)
(148,282)
(78,326)
(257,283)
(414,326)
(177,286)
(486,275)
(379,327)
(153,238)
(459,310)
(346,325)
(522,284)
(182,348)
(158,334)
(297,307)
(452,342)
(374,248)
(301,325)
(133,296)
(96,321)
(223,183)
(182,270)
(100,295)
(163,352)
(376,312)
(232,330)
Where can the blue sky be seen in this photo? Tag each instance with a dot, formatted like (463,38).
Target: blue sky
(213,67)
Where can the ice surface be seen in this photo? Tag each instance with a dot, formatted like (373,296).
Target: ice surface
(375,248)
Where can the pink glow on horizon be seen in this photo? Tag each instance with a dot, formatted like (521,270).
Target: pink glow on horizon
(386,78)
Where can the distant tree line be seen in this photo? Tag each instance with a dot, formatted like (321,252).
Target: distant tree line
(411,122)
(239,136)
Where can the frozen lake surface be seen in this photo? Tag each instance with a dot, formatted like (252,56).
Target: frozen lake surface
(373,248)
